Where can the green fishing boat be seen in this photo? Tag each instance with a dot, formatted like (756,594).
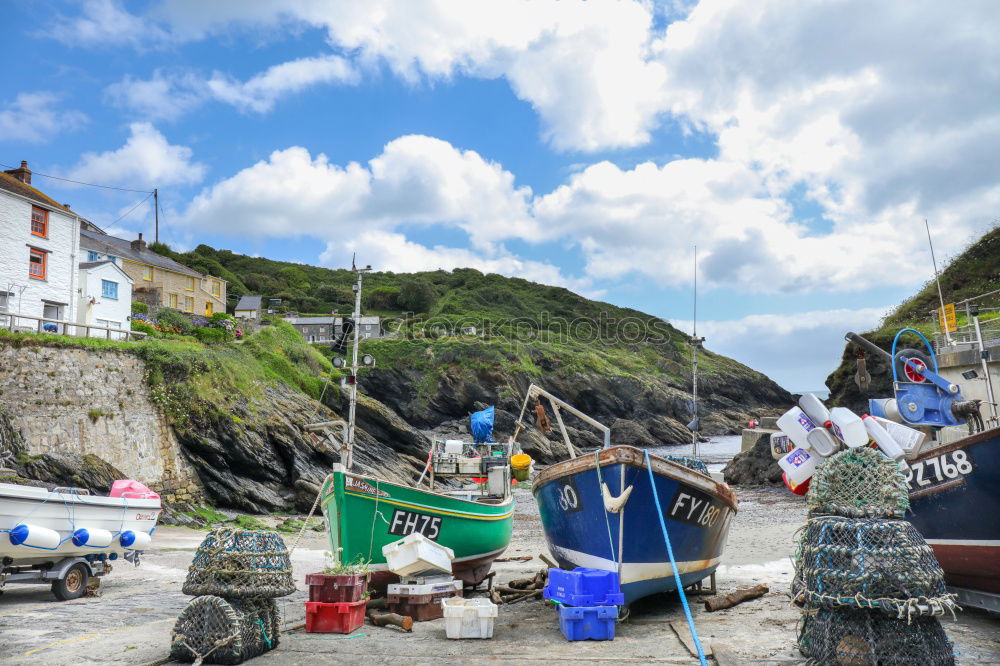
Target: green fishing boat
(364,513)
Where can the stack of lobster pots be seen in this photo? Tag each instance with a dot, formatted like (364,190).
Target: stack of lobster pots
(424,568)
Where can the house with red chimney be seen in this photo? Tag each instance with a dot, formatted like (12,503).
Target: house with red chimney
(39,255)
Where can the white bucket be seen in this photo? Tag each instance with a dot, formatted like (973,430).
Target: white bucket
(882,438)
(848,427)
(797,426)
(814,408)
(909,439)
(798,465)
(33,536)
(823,443)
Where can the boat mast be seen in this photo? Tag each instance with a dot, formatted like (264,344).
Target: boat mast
(695,343)
(354,364)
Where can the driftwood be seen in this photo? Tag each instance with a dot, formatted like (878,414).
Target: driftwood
(377,604)
(516,558)
(544,558)
(739,596)
(404,622)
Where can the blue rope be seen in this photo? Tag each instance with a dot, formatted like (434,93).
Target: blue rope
(673,563)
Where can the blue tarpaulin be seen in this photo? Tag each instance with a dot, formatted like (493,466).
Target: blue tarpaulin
(481,424)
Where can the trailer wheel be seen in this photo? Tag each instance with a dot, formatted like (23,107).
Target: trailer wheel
(73,585)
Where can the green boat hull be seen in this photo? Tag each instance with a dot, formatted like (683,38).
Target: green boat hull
(364,514)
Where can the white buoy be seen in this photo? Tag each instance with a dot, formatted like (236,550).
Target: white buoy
(93,537)
(135,540)
(33,536)
(847,426)
(814,408)
(882,438)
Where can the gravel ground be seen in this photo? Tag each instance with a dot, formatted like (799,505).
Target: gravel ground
(131,622)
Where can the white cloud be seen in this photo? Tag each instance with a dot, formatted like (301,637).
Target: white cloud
(106,23)
(146,160)
(794,350)
(35,117)
(168,95)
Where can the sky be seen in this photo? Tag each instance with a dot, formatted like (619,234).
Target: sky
(593,144)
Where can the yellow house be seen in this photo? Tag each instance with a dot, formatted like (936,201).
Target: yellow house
(159,280)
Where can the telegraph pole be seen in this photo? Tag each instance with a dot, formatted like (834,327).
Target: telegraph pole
(156,215)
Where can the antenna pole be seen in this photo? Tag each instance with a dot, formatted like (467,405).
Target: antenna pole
(354,371)
(156,215)
(695,343)
(937,279)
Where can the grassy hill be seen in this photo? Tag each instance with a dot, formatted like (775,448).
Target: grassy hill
(973,272)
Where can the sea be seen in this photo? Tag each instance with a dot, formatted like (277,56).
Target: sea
(716,452)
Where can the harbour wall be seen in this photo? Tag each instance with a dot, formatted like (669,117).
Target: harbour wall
(83,401)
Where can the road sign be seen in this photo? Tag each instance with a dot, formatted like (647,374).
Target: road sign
(946,317)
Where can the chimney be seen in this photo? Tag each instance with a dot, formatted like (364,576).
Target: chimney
(23,173)
(139,245)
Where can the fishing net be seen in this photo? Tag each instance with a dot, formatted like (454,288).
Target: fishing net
(869,563)
(858,483)
(212,630)
(690,463)
(240,564)
(848,637)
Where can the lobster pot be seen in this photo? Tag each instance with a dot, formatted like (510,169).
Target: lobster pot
(869,563)
(849,637)
(220,631)
(690,463)
(858,483)
(240,564)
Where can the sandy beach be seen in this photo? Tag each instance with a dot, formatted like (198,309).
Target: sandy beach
(130,623)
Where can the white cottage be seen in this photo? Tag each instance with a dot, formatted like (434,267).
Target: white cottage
(105,298)
(39,248)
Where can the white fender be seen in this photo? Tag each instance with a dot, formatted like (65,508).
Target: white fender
(135,540)
(614,504)
(34,536)
(92,537)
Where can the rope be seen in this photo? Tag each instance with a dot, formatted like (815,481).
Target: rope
(600,491)
(673,563)
(305,523)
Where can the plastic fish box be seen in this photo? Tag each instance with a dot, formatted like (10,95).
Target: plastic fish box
(588,623)
(424,580)
(469,618)
(339,618)
(336,588)
(420,589)
(468,465)
(584,587)
(421,607)
(415,554)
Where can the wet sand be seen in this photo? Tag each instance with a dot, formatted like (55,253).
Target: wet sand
(131,622)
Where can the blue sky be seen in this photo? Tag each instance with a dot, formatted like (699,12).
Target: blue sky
(583,144)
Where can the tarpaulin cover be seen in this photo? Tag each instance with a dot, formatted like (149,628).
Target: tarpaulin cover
(481,424)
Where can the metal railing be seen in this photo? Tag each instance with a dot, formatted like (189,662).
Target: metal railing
(12,322)
(964,337)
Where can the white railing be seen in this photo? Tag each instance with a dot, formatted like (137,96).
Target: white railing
(13,323)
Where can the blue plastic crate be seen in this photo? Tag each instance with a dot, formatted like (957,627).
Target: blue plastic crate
(584,587)
(588,623)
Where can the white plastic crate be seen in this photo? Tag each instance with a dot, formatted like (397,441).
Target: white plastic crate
(415,554)
(436,577)
(410,589)
(468,465)
(469,618)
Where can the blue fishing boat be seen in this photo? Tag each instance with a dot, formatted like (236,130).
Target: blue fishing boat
(601,510)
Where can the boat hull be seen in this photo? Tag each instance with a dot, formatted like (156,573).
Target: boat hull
(65,513)
(365,513)
(954,497)
(581,531)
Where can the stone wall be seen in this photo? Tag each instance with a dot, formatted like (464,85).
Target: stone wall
(85,401)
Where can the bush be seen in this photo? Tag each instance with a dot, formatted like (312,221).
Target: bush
(211,336)
(139,308)
(172,319)
(417,295)
(143,327)
(383,298)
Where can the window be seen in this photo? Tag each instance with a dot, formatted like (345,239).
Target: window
(93,256)
(190,284)
(216,288)
(147,273)
(39,222)
(36,264)
(109,289)
(3,301)
(208,309)
(188,304)
(173,301)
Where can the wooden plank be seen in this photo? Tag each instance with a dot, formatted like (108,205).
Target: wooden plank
(724,655)
(680,628)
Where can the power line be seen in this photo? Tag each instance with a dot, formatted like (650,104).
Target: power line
(144,200)
(79,182)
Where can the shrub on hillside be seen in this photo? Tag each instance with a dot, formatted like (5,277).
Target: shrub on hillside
(416,295)
(172,319)
(143,327)
(213,335)
(139,308)
(382,298)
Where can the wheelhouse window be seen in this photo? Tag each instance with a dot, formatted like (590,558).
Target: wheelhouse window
(39,222)
(37,264)
(109,289)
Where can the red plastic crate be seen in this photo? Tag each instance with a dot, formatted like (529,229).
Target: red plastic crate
(339,618)
(333,589)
